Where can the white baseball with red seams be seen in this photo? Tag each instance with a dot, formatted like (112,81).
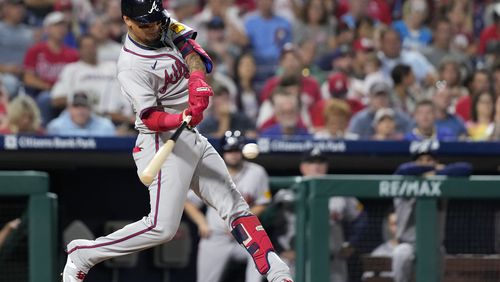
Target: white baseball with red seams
(250,151)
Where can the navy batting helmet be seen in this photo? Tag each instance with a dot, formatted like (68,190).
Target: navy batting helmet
(424,147)
(233,141)
(143,11)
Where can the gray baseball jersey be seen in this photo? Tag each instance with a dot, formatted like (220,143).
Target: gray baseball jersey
(404,253)
(341,209)
(252,182)
(157,78)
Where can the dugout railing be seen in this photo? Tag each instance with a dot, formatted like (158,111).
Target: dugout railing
(312,227)
(42,220)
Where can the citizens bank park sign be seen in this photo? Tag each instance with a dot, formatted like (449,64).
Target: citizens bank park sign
(19,142)
(267,145)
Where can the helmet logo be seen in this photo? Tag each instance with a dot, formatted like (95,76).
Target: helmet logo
(154,7)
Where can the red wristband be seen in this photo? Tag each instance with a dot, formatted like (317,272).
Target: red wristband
(198,74)
(161,121)
(170,121)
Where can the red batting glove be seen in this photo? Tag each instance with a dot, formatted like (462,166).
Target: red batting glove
(199,92)
(195,118)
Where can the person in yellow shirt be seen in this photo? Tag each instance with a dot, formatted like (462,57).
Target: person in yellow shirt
(481,126)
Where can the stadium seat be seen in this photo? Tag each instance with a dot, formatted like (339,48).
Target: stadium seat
(175,253)
(128,261)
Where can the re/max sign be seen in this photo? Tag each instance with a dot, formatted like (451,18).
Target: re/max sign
(409,188)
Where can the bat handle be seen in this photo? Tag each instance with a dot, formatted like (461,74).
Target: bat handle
(149,173)
(184,124)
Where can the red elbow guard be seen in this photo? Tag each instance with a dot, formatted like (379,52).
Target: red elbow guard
(191,46)
(161,121)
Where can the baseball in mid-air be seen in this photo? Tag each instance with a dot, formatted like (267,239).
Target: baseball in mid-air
(250,151)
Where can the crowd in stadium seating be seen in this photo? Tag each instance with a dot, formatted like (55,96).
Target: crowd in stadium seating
(358,69)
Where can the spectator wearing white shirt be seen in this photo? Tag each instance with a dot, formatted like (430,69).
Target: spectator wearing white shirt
(96,79)
(391,54)
(107,49)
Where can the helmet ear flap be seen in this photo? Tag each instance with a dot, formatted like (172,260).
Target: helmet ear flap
(164,28)
(166,21)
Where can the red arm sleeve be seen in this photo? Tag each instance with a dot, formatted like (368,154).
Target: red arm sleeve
(161,121)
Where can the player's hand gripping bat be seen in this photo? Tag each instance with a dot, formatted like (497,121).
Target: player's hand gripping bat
(154,166)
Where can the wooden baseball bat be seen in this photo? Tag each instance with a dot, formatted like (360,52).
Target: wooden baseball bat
(154,166)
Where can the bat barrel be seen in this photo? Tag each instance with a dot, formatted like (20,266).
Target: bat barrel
(148,174)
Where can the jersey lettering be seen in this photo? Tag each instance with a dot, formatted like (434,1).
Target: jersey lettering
(179,70)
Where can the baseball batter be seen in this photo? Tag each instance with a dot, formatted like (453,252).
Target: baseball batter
(217,246)
(161,70)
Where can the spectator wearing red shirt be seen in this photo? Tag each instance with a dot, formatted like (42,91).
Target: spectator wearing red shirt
(267,115)
(291,66)
(380,10)
(337,87)
(480,83)
(44,62)
(490,36)
(246,5)
(351,11)
(286,107)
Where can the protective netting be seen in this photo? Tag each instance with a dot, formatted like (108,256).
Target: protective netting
(472,241)
(362,245)
(14,264)
(471,244)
